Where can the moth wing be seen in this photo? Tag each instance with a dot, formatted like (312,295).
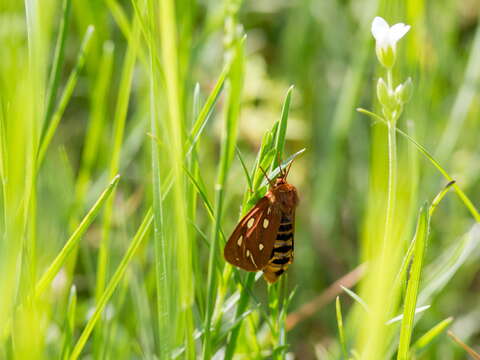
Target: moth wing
(250,247)
(263,235)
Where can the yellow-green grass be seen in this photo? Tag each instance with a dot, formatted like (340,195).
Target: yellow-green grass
(133,135)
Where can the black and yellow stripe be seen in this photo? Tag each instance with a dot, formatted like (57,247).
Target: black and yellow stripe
(282,252)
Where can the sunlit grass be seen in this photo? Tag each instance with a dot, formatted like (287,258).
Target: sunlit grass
(133,135)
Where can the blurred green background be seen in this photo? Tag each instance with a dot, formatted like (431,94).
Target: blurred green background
(323,48)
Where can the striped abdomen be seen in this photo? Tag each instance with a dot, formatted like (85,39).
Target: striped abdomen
(282,253)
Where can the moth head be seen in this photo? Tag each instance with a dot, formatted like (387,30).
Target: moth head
(282,178)
(286,195)
(280,181)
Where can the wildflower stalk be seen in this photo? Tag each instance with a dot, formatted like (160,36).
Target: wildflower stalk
(392,173)
(392,100)
(392,184)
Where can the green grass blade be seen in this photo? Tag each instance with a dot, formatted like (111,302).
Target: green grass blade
(206,111)
(413,284)
(162,276)
(69,323)
(448,263)
(439,197)
(66,95)
(3,167)
(241,308)
(282,128)
(117,276)
(163,285)
(276,171)
(245,170)
(72,242)
(431,334)
(95,128)
(463,102)
(207,203)
(127,29)
(401,275)
(119,121)
(467,202)
(341,334)
(232,112)
(172,56)
(58,60)
(356,297)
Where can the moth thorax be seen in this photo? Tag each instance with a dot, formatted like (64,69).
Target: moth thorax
(287,196)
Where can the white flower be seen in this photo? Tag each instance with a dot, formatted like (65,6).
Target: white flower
(386,38)
(386,35)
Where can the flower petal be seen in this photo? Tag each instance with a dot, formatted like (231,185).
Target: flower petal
(398,31)
(380,28)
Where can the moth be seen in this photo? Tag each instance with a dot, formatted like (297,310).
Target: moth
(263,239)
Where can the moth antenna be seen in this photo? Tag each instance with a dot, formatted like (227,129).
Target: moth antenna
(288,168)
(282,173)
(266,176)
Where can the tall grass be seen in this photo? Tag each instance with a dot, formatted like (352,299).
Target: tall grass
(133,135)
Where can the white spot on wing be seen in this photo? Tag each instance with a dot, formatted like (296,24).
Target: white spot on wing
(265,223)
(248,253)
(260,247)
(253,261)
(239,241)
(250,222)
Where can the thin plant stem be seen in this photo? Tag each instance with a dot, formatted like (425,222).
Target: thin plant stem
(392,175)
(390,79)
(392,187)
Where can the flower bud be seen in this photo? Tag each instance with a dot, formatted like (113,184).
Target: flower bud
(404,91)
(385,96)
(382,92)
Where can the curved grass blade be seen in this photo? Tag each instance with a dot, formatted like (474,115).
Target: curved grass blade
(117,276)
(206,111)
(66,96)
(431,334)
(341,335)
(401,275)
(465,199)
(232,112)
(72,242)
(282,127)
(356,297)
(463,101)
(448,263)
(245,170)
(406,330)
(274,173)
(203,194)
(119,123)
(69,323)
(58,59)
